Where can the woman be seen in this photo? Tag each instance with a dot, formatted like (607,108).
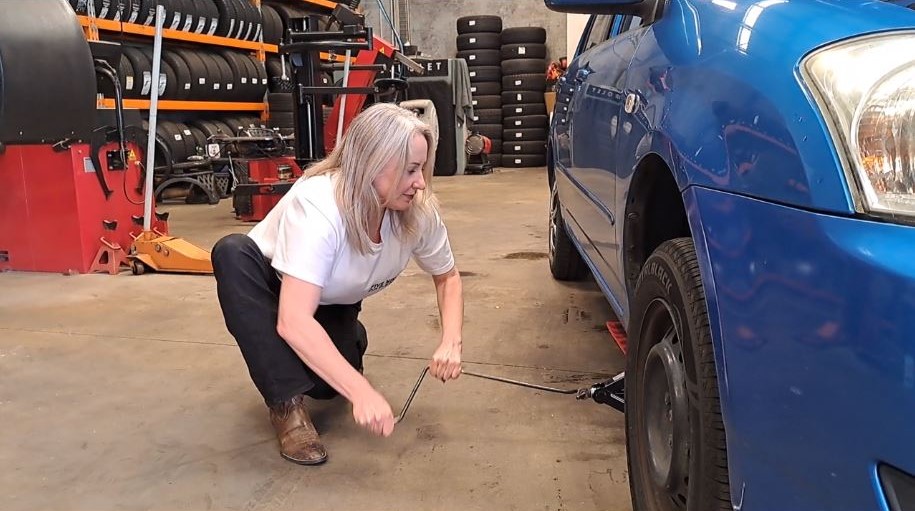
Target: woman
(291,290)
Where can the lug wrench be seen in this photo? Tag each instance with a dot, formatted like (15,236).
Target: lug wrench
(609,392)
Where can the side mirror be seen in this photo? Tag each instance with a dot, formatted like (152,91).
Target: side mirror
(592,6)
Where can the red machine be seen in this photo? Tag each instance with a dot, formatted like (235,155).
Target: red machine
(363,75)
(55,216)
(268,180)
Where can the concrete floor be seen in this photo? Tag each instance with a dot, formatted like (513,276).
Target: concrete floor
(127,393)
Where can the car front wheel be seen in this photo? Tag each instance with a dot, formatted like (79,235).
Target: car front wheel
(674,431)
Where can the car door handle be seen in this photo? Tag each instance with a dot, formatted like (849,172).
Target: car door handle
(632,103)
(582,74)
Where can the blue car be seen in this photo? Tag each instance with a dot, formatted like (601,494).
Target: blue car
(739,178)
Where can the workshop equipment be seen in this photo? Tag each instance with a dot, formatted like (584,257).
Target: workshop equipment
(362,79)
(609,392)
(70,176)
(478,147)
(263,171)
(261,185)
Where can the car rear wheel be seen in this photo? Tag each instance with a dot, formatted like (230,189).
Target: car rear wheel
(565,261)
(674,431)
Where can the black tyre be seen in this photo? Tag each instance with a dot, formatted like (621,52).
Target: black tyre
(523,160)
(281,120)
(527,81)
(230,82)
(523,51)
(513,148)
(523,110)
(486,102)
(525,122)
(523,66)
(142,70)
(189,15)
(481,57)
(132,14)
(524,35)
(211,13)
(190,143)
(260,77)
(183,85)
(280,102)
(487,115)
(674,432)
(227,23)
(242,88)
(485,88)
(525,135)
(200,74)
(471,24)
(520,97)
(273,25)
(496,146)
(485,74)
(214,79)
(565,261)
(200,138)
(147,13)
(479,41)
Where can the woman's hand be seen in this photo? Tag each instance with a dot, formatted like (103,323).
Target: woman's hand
(372,411)
(446,361)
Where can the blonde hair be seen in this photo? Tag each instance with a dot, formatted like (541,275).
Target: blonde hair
(379,135)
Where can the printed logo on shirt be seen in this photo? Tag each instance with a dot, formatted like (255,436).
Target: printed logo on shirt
(381,285)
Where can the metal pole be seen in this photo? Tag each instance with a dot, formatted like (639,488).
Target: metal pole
(343,99)
(153,111)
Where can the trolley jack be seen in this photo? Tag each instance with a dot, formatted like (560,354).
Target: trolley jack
(609,392)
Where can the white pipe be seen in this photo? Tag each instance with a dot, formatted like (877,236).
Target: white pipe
(153,111)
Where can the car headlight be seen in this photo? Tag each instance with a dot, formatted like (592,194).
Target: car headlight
(867,86)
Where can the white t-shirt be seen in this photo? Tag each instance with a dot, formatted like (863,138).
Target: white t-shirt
(304,236)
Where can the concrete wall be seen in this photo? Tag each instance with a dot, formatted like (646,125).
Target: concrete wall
(434,29)
(575,26)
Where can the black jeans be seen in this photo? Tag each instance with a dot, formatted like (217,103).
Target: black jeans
(249,291)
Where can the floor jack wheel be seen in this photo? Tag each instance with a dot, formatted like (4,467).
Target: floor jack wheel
(137,267)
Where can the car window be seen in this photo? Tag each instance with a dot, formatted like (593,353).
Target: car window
(626,24)
(600,30)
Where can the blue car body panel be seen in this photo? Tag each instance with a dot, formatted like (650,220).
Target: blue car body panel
(811,304)
(813,325)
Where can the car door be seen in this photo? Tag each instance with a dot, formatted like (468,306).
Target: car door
(597,82)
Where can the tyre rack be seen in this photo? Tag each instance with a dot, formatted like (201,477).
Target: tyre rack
(92,25)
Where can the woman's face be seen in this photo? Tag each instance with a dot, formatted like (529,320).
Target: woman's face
(400,198)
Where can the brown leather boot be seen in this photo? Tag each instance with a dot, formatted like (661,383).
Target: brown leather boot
(299,441)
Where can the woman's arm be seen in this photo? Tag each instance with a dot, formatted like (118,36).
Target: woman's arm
(297,325)
(446,362)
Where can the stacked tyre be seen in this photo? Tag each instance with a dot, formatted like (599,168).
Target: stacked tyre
(193,75)
(479,42)
(236,19)
(524,116)
(280,17)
